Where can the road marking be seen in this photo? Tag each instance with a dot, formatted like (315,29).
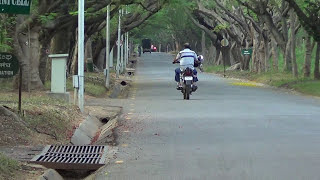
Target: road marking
(126,131)
(130,113)
(249,84)
(128,118)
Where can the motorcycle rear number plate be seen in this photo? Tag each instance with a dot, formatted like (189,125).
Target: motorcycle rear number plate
(188,78)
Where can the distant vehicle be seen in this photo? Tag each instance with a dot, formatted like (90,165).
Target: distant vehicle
(146,45)
(154,49)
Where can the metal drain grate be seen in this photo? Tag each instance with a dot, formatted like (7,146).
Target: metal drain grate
(87,157)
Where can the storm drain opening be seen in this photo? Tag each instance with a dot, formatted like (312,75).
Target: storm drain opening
(123,83)
(71,157)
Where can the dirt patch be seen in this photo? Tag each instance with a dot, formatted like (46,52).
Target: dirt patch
(13,133)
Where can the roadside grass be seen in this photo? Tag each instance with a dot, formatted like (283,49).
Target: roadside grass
(217,68)
(93,84)
(309,87)
(279,78)
(95,89)
(44,115)
(8,167)
(6,85)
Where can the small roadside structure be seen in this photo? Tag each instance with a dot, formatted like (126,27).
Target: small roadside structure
(59,76)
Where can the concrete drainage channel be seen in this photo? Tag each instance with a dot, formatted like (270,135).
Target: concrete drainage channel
(88,149)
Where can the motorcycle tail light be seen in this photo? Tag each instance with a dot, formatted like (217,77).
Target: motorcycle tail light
(188,72)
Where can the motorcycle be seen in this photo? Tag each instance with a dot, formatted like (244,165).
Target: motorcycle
(186,79)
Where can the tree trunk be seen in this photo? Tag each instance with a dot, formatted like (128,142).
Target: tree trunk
(28,51)
(255,52)
(307,59)
(275,54)
(44,52)
(203,42)
(88,53)
(218,56)
(266,54)
(177,45)
(61,42)
(226,55)
(35,81)
(235,53)
(287,57)
(98,46)
(316,63)
(23,57)
(262,56)
(293,44)
(100,61)
(74,61)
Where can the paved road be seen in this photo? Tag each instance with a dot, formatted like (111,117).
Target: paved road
(224,132)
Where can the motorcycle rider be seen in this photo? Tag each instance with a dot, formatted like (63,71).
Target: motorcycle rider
(187,58)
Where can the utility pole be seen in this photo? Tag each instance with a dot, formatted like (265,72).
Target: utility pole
(107,72)
(126,42)
(81,54)
(122,50)
(118,46)
(127,48)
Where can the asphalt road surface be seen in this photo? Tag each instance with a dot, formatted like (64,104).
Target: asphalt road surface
(224,132)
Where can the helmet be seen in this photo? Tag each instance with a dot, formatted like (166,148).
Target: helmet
(200,58)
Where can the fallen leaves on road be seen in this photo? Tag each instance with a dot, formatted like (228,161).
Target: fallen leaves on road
(119,162)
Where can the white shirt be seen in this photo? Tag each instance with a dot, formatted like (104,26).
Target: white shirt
(186,58)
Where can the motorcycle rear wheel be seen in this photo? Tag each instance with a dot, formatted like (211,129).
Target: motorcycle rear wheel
(187,92)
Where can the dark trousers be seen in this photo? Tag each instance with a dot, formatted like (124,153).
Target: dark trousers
(178,71)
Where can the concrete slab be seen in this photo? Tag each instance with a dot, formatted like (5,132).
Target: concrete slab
(80,138)
(50,174)
(89,127)
(63,96)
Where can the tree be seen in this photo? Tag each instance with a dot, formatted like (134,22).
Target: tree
(309,15)
(56,20)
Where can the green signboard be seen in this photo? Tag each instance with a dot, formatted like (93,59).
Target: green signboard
(9,65)
(15,6)
(246,51)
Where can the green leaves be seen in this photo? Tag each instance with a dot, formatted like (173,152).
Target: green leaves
(221,27)
(47,17)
